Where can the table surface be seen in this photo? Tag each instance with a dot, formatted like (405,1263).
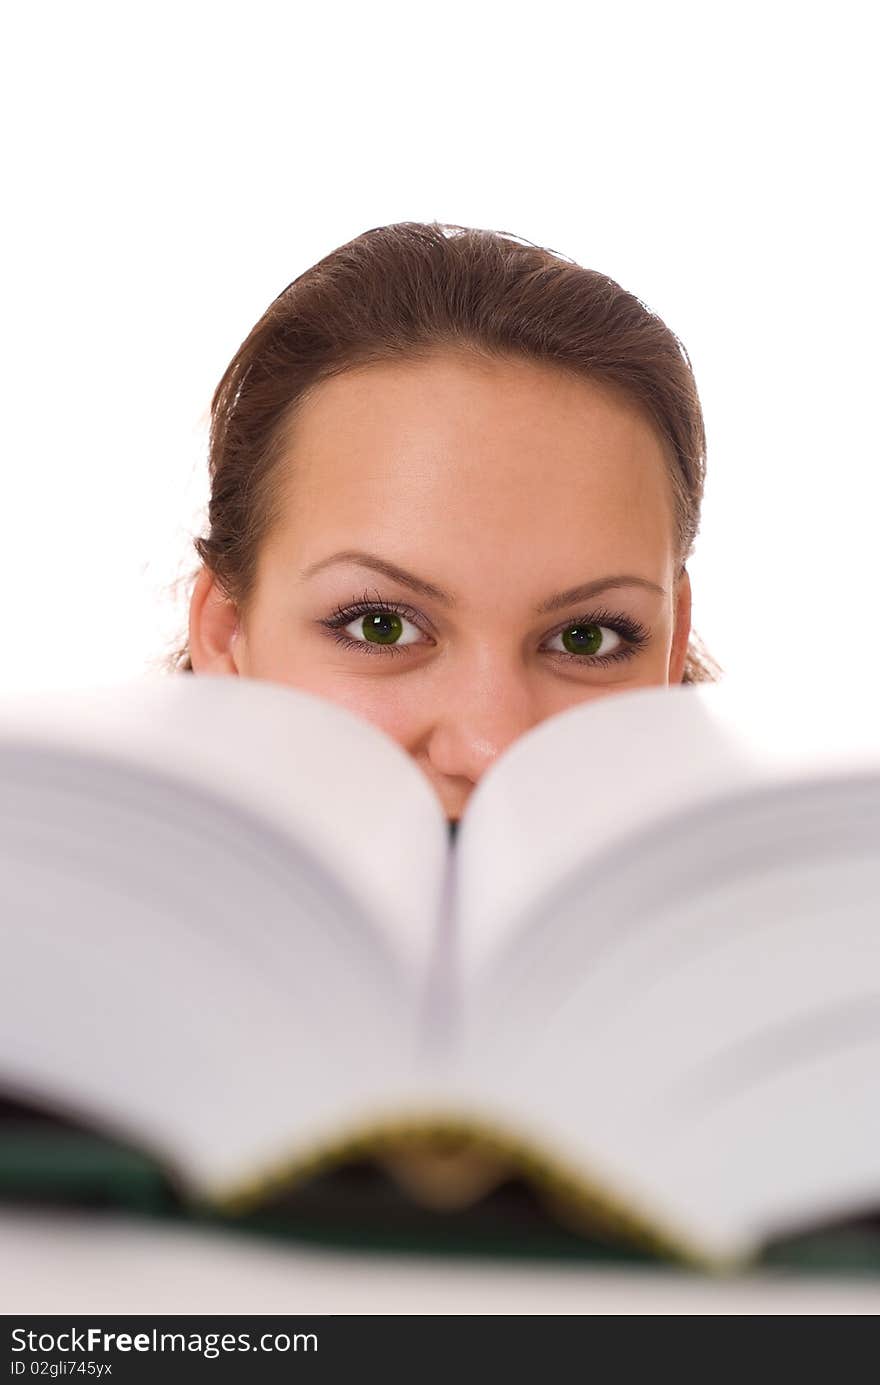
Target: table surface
(76,1263)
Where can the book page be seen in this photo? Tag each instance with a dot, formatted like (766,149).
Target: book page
(174,976)
(682,1008)
(587,779)
(706,1046)
(324,777)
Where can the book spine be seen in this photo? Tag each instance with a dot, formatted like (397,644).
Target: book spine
(444,1161)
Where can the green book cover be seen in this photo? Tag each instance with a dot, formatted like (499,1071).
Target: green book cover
(45,1161)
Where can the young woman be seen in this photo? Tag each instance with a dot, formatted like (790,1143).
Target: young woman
(455,481)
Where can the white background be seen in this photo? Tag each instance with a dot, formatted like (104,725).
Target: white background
(170,167)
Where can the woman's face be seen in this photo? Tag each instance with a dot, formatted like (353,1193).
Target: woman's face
(519,525)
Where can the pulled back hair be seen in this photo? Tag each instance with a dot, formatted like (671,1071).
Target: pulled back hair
(402,292)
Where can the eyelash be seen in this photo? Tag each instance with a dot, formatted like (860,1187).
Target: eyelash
(631,631)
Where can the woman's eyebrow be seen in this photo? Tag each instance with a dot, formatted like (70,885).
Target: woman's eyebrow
(397,574)
(416,584)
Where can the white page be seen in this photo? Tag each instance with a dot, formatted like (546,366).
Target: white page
(229,1028)
(334,781)
(251,1008)
(674,1060)
(587,778)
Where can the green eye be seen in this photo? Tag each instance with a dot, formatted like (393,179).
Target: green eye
(582,639)
(382,627)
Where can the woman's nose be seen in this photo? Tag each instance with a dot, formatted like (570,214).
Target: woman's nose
(471,721)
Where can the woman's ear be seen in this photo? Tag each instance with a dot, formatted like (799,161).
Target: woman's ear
(682,628)
(213,628)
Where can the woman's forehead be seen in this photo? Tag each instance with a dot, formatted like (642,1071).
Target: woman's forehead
(504,454)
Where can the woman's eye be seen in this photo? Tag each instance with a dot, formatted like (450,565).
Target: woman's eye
(381,627)
(588,638)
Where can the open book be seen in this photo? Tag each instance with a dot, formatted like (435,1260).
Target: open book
(235,928)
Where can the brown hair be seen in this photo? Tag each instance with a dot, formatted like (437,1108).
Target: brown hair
(400,292)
